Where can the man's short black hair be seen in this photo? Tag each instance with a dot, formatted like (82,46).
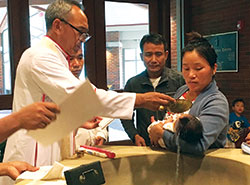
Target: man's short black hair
(154,38)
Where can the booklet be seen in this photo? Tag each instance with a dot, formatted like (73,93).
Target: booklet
(80,106)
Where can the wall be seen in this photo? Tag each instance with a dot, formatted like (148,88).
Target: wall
(213,16)
(113,53)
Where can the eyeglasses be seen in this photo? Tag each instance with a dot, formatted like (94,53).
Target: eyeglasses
(84,37)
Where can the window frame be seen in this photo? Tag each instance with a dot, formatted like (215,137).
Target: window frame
(95,49)
(18,41)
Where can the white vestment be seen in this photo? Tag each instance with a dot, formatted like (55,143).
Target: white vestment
(43,70)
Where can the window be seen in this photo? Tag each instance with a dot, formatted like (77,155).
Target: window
(132,63)
(37,22)
(123,34)
(5,69)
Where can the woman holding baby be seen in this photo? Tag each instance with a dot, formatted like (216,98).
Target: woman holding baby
(210,106)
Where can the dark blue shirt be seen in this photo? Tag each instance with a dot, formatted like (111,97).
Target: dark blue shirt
(238,122)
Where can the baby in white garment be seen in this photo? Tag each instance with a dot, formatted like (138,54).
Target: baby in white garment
(189,127)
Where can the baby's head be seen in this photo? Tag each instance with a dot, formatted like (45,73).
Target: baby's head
(189,128)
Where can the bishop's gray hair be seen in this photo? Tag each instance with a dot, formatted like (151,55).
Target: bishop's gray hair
(59,9)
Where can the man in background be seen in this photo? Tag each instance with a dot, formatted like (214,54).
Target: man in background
(156,78)
(95,136)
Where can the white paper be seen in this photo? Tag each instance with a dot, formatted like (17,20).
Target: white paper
(105,122)
(56,172)
(45,173)
(80,106)
(39,174)
(36,182)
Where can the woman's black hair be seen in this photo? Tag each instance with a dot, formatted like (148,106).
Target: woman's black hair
(201,45)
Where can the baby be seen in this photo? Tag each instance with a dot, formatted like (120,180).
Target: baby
(189,127)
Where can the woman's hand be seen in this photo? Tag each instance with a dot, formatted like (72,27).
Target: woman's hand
(156,132)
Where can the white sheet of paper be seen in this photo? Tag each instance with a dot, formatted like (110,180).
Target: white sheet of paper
(56,172)
(79,107)
(105,122)
(39,174)
(51,175)
(46,173)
